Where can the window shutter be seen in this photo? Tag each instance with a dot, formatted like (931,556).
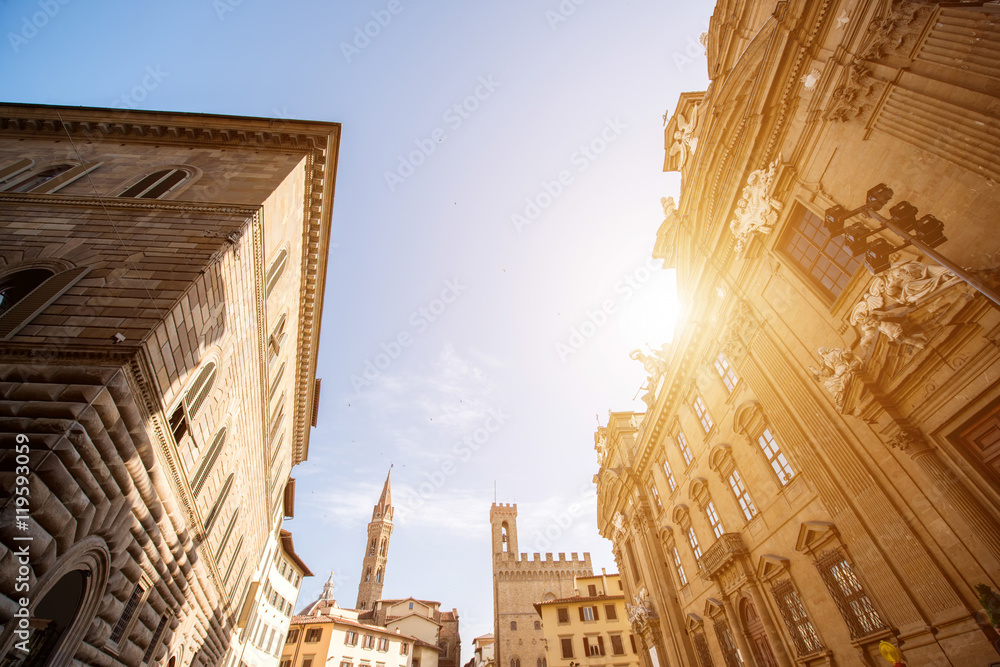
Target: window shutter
(586,647)
(597,616)
(600,645)
(582,618)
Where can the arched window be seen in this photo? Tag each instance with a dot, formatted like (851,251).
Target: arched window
(276,379)
(368,575)
(503,536)
(378,576)
(157,184)
(199,389)
(381,551)
(17,285)
(198,481)
(219,502)
(371,549)
(277,337)
(40,178)
(275,270)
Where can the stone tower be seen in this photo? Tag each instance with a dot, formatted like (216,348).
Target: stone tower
(377,549)
(518,583)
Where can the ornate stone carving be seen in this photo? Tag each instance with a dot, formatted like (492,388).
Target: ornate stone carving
(842,20)
(850,100)
(809,80)
(666,235)
(891,32)
(891,298)
(602,449)
(618,521)
(685,143)
(634,421)
(655,365)
(910,441)
(838,367)
(640,613)
(756,210)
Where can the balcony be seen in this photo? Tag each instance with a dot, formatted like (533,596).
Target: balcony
(720,553)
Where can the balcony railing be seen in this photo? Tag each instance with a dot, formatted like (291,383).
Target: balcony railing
(720,553)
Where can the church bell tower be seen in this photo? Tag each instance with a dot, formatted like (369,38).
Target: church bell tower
(377,549)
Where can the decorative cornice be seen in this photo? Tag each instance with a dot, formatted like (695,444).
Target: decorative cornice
(127,203)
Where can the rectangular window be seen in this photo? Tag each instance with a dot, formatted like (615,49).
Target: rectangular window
(307,661)
(682,443)
(617,648)
(701,648)
(610,613)
(693,540)
(656,497)
(593,646)
(125,620)
(404,649)
(538,625)
(670,476)
(702,412)
(778,462)
(827,262)
(631,640)
(563,614)
(591,590)
(713,519)
(567,647)
(794,614)
(742,495)
(383,644)
(852,602)
(587,613)
(346,663)
(293,636)
(680,568)
(351,638)
(288,663)
(513,625)
(313,635)
(726,372)
(368,641)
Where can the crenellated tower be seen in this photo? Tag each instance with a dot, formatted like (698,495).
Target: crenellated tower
(376,549)
(518,583)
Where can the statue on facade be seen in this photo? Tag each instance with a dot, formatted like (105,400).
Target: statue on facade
(640,612)
(757,210)
(837,369)
(618,521)
(602,449)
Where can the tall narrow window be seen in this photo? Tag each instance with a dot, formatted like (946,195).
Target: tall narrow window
(275,270)
(17,285)
(701,648)
(682,444)
(670,475)
(852,602)
(226,535)
(680,567)
(796,620)
(726,372)
(154,643)
(713,519)
(826,261)
(157,184)
(219,502)
(693,541)
(778,462)
(742,495)
(40,178)
(702,412)
(199,390)
(728,645)
(129,612)
(198,481)
(656,497)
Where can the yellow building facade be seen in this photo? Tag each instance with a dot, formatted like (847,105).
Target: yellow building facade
(591,627)
(817,468)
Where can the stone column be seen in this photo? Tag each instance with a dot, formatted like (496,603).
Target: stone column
(913,442)
(773,636)
(737,630)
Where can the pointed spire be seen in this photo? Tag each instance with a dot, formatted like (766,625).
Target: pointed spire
(328,588)
(384,506)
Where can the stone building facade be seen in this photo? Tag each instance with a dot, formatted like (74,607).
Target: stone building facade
(161,277)
(817,468)
(520,582)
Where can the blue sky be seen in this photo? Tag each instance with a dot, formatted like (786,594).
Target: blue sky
(497,200)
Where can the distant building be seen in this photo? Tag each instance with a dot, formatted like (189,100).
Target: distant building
(518,583)
(484,645)
(817,470)
(268,626)
(590,627)
(161,285)
(377,549)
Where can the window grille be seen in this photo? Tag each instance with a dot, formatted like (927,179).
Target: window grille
(852,602)
(796,620)
(728,645)
(701,648)
(134,600)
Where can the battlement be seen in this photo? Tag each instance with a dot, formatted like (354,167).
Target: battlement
(511,563)
(499,507)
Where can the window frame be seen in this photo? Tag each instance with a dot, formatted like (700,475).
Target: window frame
(775,457)
(749,508)
(726,373)
(701,411)
(682,444)
(799,216)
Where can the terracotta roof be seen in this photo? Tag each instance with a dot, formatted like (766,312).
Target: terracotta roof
(286,546)
(304,619)
(395,600)
(577,598)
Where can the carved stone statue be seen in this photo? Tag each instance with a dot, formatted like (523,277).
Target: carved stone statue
(891,298)
(837,369)
(756,210)
(655,366)
(640,612)
(602,449)
(685,142)
(635,420)
(618,521)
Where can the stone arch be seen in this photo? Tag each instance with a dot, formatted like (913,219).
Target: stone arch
(193,174)
(89,557)
(679,514)
(30,287)
(719,456)
(748,419)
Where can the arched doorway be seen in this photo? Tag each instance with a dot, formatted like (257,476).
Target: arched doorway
(51,618)
(754,626)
